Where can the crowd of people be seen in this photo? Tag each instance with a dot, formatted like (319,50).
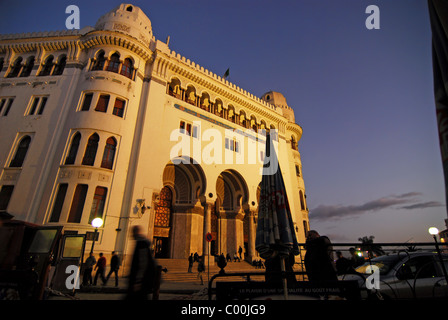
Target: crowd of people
(319,263)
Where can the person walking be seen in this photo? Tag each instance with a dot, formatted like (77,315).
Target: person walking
(190,263)
(143,269)
(100,269)
(114,266)
(88,268)
(319,262)
(201,269)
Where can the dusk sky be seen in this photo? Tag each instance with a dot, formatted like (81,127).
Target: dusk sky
(364,98)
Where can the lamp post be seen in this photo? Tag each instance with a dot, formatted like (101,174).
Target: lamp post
(96,223)
(434,231)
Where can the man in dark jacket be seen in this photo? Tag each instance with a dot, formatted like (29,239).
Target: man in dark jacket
(143,269)
(100,269)
(114,266)
(319,262)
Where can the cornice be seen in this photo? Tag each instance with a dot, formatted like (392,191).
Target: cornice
(55,41)
(176,64)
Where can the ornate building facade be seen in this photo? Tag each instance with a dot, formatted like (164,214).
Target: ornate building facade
(109,122)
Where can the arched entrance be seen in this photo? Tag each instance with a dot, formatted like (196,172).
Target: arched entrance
(186,181)
(230,210)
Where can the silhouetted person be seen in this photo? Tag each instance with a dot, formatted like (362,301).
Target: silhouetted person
(114,266)
(143,268)
(100,269)
(190,262)
(342,264)
(319,258)
(88,268)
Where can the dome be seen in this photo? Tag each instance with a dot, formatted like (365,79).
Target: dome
(279,100)
(127,19)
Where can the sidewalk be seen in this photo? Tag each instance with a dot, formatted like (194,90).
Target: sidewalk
(169,290)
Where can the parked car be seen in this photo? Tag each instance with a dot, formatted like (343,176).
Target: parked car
(405,275)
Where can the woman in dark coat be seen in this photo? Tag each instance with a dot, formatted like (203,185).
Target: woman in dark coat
(319,263)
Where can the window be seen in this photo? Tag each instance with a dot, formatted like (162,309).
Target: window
(127,68)
(99,200)
(189,129)
(302,200)
(37,105)
(26,71)
(87,101)
(5,103)
(114,63)
(47,67)
(417,268)
(232,145)
(15,68)
(59,202)
(71,157)
(59,68)
(297,170)
(99,62)
(77,207)
(119,108)
(91,149)
(102,103)
(109,153)
(22,149)
(5,196)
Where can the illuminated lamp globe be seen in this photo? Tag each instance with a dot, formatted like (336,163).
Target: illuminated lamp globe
(97,222)
(433,231)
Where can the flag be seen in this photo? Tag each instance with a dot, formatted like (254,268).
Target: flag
(438,15)
(226,74)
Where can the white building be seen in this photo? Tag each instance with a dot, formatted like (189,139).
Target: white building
(91,124)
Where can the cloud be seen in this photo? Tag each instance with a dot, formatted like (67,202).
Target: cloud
(326,212)
(423,205)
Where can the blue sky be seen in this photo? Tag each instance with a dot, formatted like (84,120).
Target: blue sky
(364,98)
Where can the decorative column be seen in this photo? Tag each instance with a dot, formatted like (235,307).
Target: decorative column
(207,228)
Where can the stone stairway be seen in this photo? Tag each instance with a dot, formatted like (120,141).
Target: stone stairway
(178,271)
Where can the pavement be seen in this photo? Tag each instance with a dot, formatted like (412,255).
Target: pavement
(169,290)
(176,284)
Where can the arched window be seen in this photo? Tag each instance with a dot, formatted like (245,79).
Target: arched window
(293,143)
(91,149)
(114,63)
(28,67)
(302,200)
(79,198)
(59,68)
(99,200)
(128,68)
(109,153)
(16,67)
(22,149)
(48,66)
(71,157)
(100,61)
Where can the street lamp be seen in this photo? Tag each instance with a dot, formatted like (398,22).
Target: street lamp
(434,231)
(96,223)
